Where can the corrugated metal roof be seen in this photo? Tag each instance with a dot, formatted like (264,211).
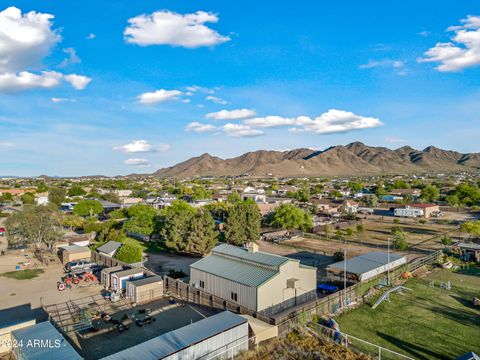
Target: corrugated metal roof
(242,272)
(75,249)
(145,281)
(472,246)
(46,333)
(258,257)
(176,340)
(365,262)
(109,247)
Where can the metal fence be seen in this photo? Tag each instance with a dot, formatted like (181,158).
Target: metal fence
(356,344)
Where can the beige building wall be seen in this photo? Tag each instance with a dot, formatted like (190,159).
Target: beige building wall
(275,291)
(246,295)
(67,257)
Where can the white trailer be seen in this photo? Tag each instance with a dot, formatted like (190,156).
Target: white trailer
(408,212)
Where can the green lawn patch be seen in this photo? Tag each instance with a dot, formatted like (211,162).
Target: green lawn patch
(23,274)
(151,247)
(425,323)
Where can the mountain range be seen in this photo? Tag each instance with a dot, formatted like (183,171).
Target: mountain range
(353,159)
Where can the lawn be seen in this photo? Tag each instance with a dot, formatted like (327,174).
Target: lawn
(425,323)
(23,274)
(151,247)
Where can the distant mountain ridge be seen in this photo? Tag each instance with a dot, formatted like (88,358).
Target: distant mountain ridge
(353,159)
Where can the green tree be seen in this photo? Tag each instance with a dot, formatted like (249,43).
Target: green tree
(88,208)
(288,216)
(141,219)
(56,195)
(42,187)
(199,193)
(430,193)
(446,240)
(472,228)
(399,240)
(28,198)
(72,221)
(34,226)
(201,236)
(371,200)
(6,197)
(129,253)
(117,214)
(452,200)
(243,223)
(234,198)
(76,190)
(355,187)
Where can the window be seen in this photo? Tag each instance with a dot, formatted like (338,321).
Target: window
(202,284)
(233,296)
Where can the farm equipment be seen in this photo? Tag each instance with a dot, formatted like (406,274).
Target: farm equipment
(67,281)
(88,277)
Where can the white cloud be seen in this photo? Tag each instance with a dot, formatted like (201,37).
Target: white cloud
(397,65)
(200,128)
(239,130)
(57,100)
(216,100)
(45,80)
(26,80)
(137,162)
(270,121)
(231,114)
(337,121)
(169,28)
(332,121)
(91,36)
(195,88)
(25,39)
(79,82)
(136,146)
(159,96)
(72,57)
(462,52)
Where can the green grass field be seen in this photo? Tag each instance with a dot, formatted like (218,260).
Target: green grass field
(425,323)
(23,274)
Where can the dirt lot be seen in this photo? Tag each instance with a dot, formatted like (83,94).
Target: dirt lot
(161,263)
(39,290)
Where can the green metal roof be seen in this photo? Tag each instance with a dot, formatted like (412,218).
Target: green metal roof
(258,257)
(234,270)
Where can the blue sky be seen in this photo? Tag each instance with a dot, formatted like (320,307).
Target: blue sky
(103,87)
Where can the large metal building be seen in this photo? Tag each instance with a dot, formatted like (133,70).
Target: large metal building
(223,335)
(256,280)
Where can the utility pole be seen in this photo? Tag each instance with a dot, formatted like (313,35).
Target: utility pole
(388,261)
(345,273)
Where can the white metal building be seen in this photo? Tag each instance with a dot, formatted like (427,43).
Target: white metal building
(222,335)
(366,266)
(254,279)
